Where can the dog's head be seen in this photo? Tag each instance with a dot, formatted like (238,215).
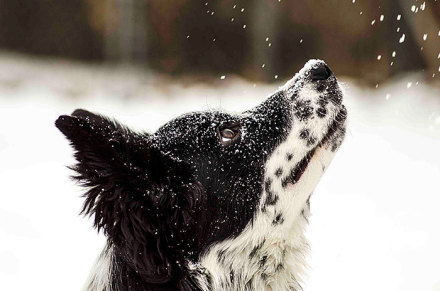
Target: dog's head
(164,198)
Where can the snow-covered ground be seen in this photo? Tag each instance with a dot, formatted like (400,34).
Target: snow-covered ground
(376,213)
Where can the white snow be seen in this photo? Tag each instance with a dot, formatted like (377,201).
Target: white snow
(402,38)
(375,223)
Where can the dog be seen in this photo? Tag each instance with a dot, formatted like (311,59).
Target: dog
(211,200)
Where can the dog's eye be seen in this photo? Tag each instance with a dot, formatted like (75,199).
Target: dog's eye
(227,134)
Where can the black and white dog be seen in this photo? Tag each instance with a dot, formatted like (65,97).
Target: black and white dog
(211,201)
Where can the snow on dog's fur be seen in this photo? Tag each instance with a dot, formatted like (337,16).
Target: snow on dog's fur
(211,201)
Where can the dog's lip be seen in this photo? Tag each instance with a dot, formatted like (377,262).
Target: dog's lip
(336,125)
(299,170)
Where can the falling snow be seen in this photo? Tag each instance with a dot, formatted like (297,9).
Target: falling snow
(402,38)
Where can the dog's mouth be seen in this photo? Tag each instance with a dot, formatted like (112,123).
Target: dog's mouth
(336,126)
(297,172)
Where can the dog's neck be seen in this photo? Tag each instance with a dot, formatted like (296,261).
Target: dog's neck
(257,263)
(275,263)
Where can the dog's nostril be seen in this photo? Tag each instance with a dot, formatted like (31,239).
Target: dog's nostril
(322,72)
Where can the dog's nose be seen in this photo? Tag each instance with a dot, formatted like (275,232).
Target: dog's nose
(321,72)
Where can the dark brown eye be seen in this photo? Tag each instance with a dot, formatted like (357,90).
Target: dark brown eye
(227,134)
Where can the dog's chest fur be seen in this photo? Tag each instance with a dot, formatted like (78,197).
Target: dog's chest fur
(257,263)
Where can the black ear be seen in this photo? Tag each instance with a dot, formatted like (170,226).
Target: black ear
(105,150)
(146,202)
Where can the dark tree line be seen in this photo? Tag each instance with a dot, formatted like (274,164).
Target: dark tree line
(259,39)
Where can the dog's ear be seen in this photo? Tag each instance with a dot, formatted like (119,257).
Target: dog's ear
(106,151)
(146,202)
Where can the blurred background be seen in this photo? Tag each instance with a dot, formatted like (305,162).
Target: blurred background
(376,217)
(262,40)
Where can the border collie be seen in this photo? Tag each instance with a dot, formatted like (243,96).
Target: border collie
(211,201)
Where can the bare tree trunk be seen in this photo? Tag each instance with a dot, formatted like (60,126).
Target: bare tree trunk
(126,34)
(264,37)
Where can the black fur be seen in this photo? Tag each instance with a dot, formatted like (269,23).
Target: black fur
(278,219)
(135,192)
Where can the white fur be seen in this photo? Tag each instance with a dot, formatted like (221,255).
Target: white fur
(99,277)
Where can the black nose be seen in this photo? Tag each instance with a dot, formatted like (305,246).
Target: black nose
(321,72)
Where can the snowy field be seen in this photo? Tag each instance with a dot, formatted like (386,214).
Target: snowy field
(376,212)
